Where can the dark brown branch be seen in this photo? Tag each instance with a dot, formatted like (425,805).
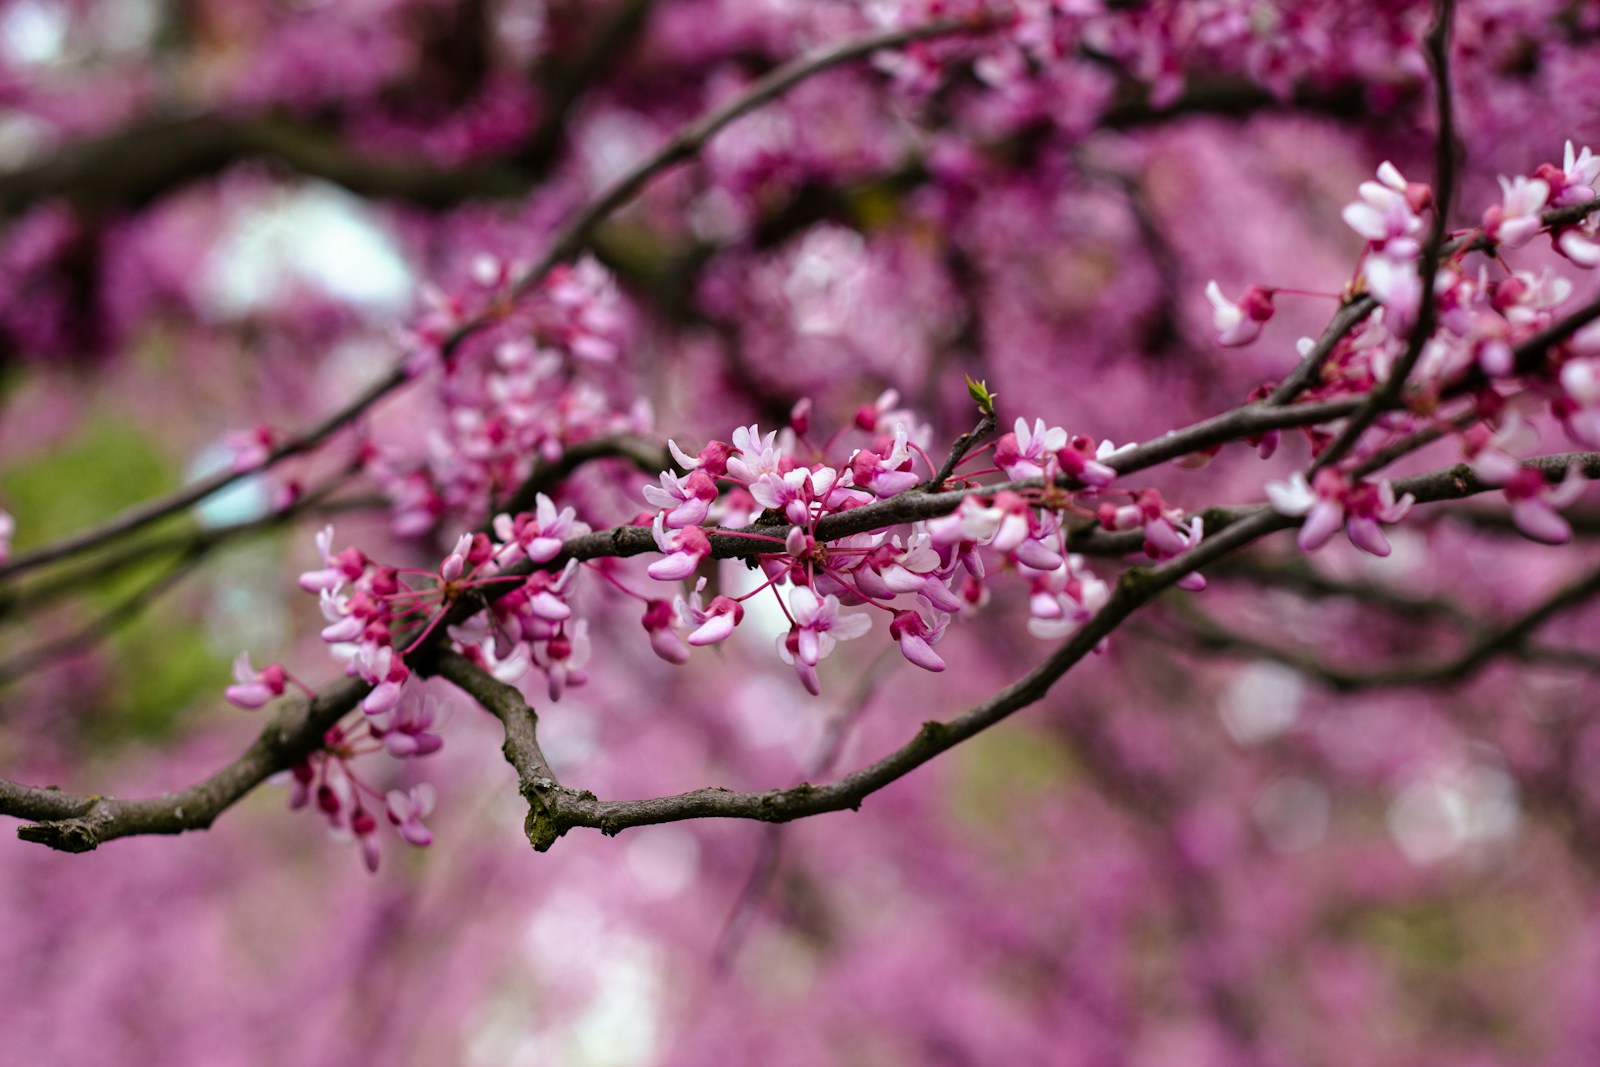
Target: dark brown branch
(1388,393)
(201,542)
(1306,374)
(648,456)
(958,452)
(102,625)
(1491,644)
(133,166)
(1295,575)
(81,823)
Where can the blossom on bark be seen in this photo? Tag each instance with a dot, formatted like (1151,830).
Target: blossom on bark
(684,550)
(1331,501)
(1535,503)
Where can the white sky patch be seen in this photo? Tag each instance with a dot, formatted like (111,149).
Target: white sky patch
(242,501)
(1437,816)
(1262,701)
(33,33)
(316,235)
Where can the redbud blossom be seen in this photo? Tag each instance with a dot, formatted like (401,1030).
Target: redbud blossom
(1331,501)
(406,729)
(1534,502)
(1574,181)
(1396,285)
(684,549)
(1387,214)
(8,527)
(712,624)
(688,499)
(346,566)
(365,828)
(1021,453)
(1241,323)
(664,642)
(254,688)
(1081,462)
(407,810)
(1513,222)
(917,638)
(818,626)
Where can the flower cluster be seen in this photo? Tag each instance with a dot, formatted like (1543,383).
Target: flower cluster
(538,379)
(378,614)
(920,576)
(1469,381)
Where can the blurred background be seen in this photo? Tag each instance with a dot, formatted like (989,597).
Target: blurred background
(1292,820)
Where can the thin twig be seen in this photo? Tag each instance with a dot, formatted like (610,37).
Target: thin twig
(1491,644)
(1388,393)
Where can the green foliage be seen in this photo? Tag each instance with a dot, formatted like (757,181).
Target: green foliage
(162,665)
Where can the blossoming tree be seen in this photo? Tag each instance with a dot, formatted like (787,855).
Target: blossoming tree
(1129,453)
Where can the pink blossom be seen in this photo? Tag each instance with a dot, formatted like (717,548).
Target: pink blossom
(1065,598)
(407,810)
(754,455)
(1239,324)
(253,688)
(344,625)
(1397,286)
(8,528)
(1534,503)
(688,498)
(685,549)
(657,622)
(712,624)
(405,730)
(1574,181)
(1490,452)
(1022,453)
(1578,243)
(1387,214)
(1331,501)
(713,458)
(539,535)
(381,667)
(563,657)
(1513,222)
(885,476)
(917,638)
(818,626)
(884,409)
(1081,460)
(251,448)
(346,566)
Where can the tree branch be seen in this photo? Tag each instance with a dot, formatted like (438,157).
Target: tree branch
(1509,639)
(1388,393)
(74,823)
(567,245)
